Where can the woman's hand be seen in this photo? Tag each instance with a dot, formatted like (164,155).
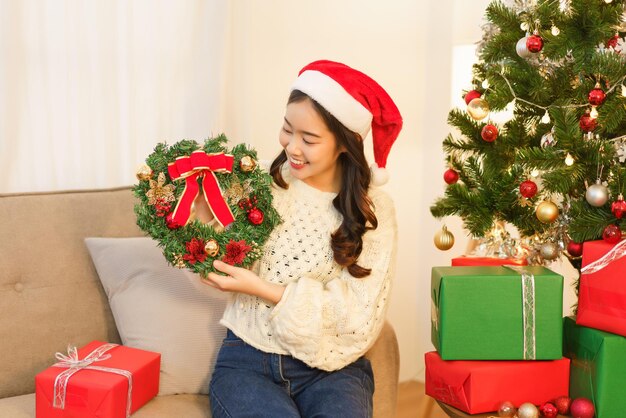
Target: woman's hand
(241,280)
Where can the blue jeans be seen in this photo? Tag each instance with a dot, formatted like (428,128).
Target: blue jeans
(248,382)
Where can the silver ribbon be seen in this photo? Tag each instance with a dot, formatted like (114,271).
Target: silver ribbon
(434,314)
(616,253)
(74,365)
(528,311)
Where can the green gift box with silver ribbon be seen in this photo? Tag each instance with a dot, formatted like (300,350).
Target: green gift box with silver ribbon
(598,367)
(497,313)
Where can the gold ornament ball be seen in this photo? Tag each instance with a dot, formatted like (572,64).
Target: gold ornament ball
(212,248)
(547,212)
(478,108)
(247,164)
(444,240)
(144,173)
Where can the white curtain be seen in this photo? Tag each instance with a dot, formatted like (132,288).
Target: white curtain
(87,87)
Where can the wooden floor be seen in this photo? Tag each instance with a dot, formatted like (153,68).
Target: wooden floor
(413,403)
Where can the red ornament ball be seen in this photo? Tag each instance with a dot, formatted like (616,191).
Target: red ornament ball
(612,42)
(255,216)
(582,408)
(596,96)
(450,176)
(534,43)
(562,404)
(612,234)
(548,410)
(528,189)
(619,207)
(575,249)
(587,123)
(471,95)
(489,133)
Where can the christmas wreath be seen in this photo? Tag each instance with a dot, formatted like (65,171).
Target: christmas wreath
(178,181)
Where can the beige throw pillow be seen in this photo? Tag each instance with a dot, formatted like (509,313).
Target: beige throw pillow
(160,308)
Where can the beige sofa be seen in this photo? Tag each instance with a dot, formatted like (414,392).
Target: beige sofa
(50,295)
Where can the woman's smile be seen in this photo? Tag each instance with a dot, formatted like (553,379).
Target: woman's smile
(296,163)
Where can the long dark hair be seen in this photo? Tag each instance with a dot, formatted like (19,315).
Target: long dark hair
(352,200)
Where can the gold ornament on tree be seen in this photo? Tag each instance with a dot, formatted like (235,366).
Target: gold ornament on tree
(247,164)
(478,108)
(547,212)
(212,248)
(444,240)
(159,191)
(144,173)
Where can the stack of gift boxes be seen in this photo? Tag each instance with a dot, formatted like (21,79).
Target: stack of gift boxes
(595,339)
(500,336)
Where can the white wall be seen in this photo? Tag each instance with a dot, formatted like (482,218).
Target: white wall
(274,39)
(406,46)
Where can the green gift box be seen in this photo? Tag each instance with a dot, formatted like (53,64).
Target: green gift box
(597,368)
(497,313)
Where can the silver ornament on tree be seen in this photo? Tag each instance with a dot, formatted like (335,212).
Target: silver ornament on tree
(597,194)
(548,140)
(522,49)
(549,251)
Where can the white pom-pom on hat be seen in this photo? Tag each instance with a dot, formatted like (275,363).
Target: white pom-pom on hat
(358,102)
(380,175)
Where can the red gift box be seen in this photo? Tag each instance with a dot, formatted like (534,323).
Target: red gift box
(602,293)
(488,261)
(481,386)
(98,384)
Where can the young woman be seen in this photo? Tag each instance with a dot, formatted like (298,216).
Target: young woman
(300,323)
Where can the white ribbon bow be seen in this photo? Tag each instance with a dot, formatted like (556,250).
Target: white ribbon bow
(74,365)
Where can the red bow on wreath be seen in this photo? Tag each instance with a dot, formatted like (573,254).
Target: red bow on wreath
(201,164)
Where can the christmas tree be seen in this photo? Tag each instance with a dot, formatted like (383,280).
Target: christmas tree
(556,169)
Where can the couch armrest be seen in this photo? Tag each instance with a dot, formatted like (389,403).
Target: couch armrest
(385,358)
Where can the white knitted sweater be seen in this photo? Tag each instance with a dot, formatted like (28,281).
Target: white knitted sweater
(326,317)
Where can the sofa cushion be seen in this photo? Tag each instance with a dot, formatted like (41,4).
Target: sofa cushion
(160,308)
(22,406)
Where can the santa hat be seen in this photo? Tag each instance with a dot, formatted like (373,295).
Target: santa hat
(358,102)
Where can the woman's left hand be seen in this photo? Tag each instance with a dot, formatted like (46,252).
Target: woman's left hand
(241,280)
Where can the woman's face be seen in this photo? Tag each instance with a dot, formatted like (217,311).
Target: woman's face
(311,147)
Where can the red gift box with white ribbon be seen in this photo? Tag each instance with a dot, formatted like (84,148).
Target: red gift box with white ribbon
(478,386)
(602,291)
(99,380)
